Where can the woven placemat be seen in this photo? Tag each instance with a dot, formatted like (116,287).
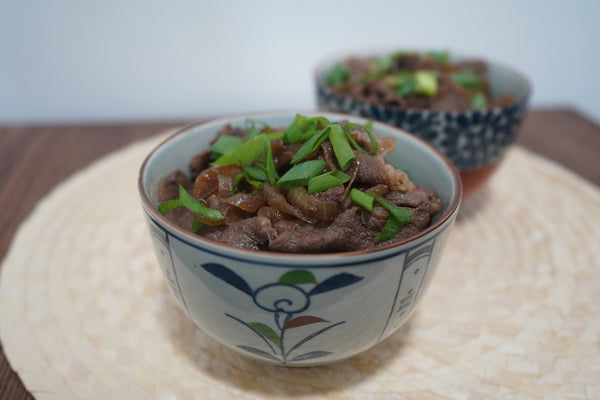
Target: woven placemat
(513,312)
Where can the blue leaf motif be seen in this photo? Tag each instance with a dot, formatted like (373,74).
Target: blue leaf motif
(228,276)
(312,354)
(335,282)
(258,352)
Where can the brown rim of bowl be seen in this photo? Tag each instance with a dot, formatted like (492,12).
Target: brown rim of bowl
(451,209)
(346,55)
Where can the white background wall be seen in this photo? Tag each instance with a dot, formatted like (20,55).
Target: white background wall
(119,60)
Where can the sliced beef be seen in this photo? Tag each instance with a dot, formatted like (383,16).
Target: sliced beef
(404,62)
(346,233)
(252,233)
(199,163)
(422,202)
(168,187)
(371,169)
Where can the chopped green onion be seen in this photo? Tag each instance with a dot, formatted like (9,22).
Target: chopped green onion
(297,131)
(256,172)
(271,170)
(466,79)
(275,135)
(196,225)
(338,75)
(398,217)
(479,102)
(294,132)
(252,123)
(319,120)
(390,228)
(426,82)
(401,215)
(311,145)
(188,201)
(168,205)
(325,181)
(374,144)
(406,87)
(251,128)
(247,153)
(307,135)
(440,57)
(365,200)
(236,181)
(300,174)
(253,182)
(343,152)
(225,144)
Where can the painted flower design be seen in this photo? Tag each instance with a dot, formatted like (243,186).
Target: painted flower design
(285,299)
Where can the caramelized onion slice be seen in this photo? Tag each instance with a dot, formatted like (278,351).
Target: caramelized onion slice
(249,202)
(277,200)
(321,209)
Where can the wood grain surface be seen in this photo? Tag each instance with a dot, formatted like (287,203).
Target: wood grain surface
(33,159)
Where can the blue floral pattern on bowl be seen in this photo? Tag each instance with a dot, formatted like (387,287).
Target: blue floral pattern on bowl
(284,299)
(470,139)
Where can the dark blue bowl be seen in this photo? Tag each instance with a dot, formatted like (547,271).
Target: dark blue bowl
(475,140)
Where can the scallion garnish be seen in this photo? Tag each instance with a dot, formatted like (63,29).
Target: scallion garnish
(398,216)
(311,145)
(466,79)
(247,153)
(374,144)
(196,225)
(271,170)
(402,81)
(341,148)
(338,75)
(251,128)
(300,126)
(406,86)
(401,215)
(256,172)
(365,200)
(236,181)
(321,183)
(478,101)
(294,132)
(440,57)
(426,82)
(188,201)
(390,228)
(225,144)
(168,205)
(300,174)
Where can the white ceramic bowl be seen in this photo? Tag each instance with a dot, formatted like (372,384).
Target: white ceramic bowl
(298,309)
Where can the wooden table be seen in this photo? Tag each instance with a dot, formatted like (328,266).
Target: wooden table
(33,159)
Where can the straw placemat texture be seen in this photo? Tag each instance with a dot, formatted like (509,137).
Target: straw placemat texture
(513,312)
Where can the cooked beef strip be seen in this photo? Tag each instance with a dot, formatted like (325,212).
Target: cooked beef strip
(251,233)
(371,169)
